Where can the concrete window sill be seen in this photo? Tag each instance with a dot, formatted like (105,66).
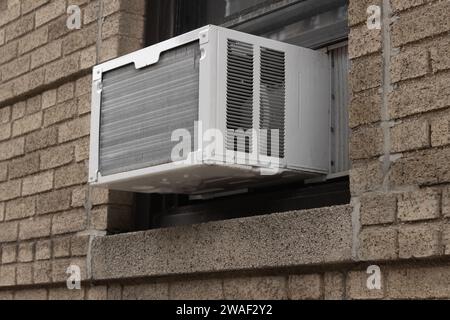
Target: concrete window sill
(293,239)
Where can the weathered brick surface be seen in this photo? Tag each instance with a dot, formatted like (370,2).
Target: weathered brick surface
(20,208)
(186,290)
(365,176)
(419,205)
(422,22)
(34,228)
(305,287)
(366,142)
(365,73)
(356,287)
(378,243)
(54,201)
(38,183)
(410,135)
(418,241)
(255,288)
(378,208)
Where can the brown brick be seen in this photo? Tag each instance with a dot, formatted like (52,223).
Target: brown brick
(97,293)
(60,112)
(6,295)
(64,294)
(70,175)
(30,81)
(400,5)
(365,73)
(39,183)
(42,272)
(33,40)
(3,171)
(18,110)
(366,176)
(88,57)
(421,168)
(79,39)
(6,90)
(377,243)
(41,139)
(57,156)
(20,208)
(5,131)
(24,166)
(30,5)
(84,104)
(8,231)
(410,64)
(366,142)
(58,28)
(65,92)
(378,209)
(9,254)
(61,247)
(15,68)
(50,11)
(420,23)
(34,228)
(82,149)
(8,52)
(67,222)
(114,291)
(363,41)
(305,287)
(31,295)
(9,190)
(419,283)
(43,250)
(79,197)
(256,288)
(83,86)
(440,131)
(27,124)
(11,149)
(62,68)
(440,57)
(2,211)
(446,202)
(419,205)
(7,275)
(334,286)
(48,98)
(79,245)
(25,274)
(34,104)
(5,114)
(26,252)
(357,286)
(182,290)
(410,135)
(54,201)
(418,241)
(46,54)
(20,27)
(74,129)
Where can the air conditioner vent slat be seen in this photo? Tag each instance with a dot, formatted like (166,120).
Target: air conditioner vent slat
(272,101)
(239,94)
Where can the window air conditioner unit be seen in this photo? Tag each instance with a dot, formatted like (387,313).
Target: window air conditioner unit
(210,111)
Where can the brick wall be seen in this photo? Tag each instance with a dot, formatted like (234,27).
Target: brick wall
(47,213)
(400,146)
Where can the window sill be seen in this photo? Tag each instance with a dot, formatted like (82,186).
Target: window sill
(282,240)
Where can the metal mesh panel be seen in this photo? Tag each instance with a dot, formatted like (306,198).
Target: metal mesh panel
(141,108)
(272,102)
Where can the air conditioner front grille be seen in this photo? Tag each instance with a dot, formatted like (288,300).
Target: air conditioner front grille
(141,108)
(239,101)
(272,102)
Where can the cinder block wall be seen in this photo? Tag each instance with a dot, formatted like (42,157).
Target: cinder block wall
(400,177)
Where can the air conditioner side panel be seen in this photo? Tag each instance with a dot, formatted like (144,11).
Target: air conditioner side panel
(308,111)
